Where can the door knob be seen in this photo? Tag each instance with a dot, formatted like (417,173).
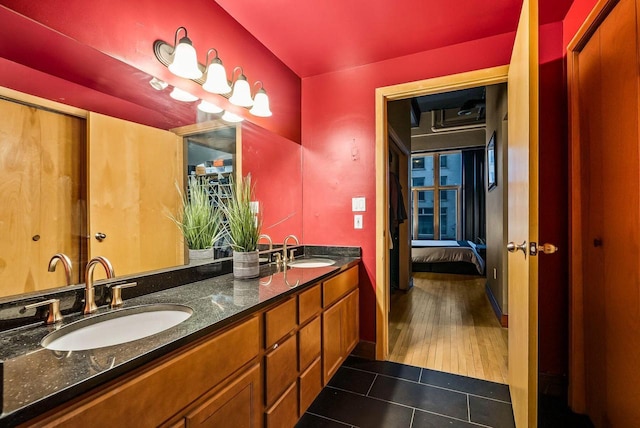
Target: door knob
(547,248)
(512,247)
(101,236)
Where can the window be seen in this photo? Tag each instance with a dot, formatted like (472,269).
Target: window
(436,174)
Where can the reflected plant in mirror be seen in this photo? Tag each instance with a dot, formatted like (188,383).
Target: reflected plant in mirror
(200,222)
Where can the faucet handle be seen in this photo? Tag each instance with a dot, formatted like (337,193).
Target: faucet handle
(278,259)
(116,294)
(54,310)
(292,254)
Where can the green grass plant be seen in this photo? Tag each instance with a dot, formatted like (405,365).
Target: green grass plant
(200,223)
(243,225)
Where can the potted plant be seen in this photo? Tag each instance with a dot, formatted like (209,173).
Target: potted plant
(243,228)
(199,222)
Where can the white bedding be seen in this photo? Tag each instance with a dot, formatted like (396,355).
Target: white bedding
(463,251)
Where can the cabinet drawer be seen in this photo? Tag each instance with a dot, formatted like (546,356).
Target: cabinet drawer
(284,413)
(310,385)
(309,340)
(309,304)
(279,321)
(280,368)
(237,405)
(338,286)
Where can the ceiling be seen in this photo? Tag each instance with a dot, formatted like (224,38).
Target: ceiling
(319,36)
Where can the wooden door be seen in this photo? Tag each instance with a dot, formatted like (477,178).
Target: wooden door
(41,189)
(132,178)
(523,217)
(606,210)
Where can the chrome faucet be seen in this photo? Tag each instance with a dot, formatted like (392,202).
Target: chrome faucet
(66,264)
(285,259)
(268,238)
(89,292)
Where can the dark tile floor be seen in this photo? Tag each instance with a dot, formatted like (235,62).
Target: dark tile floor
(370,394)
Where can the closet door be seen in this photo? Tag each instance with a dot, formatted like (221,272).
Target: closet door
(132,178)
(605,112)
(41,187)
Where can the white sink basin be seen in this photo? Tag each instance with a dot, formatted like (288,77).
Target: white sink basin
(311,263)
(114,328)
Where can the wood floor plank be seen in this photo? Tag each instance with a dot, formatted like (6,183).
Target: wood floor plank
(445,322)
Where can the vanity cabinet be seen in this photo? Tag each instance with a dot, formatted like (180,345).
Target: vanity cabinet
(158,391)
(265,370)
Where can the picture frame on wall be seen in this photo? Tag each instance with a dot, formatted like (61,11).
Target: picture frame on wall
(492,172)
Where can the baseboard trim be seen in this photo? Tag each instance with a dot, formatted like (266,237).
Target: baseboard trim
(365,349)
(502,318)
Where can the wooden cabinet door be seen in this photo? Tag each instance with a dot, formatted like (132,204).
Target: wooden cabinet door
(237,405)
(280,369)
(284,413)
(132,178)
(41,189)
(309,343)
(351,323)
(310,385)
(332,325)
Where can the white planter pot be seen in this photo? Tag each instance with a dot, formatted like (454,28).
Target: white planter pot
(246,265)
(200,256)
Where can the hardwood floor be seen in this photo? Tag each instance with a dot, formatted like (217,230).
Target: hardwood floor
(445,323)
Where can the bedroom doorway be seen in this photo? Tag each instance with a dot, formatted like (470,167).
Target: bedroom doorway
(442,318)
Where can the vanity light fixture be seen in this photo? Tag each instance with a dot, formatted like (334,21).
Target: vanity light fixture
(260,102)
(231,117)
(241,95)
(182,60)
(216,81)
(180,95)
(185,60)
(208,107)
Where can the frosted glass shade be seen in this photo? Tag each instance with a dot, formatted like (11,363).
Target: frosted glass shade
(208,107)
(241,95)
(180,95)
(185,60)
(216,82)
(230,117)
(261,105)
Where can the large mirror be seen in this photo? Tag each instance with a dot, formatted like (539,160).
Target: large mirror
(58,165)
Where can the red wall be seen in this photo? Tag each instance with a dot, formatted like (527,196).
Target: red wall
(128,35)
(338,141)
(574,18)
(275,166)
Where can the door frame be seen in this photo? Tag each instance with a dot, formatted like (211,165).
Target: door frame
(453,82)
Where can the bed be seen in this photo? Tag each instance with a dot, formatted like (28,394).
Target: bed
(461,257)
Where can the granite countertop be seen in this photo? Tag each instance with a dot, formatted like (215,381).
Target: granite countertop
(35,379)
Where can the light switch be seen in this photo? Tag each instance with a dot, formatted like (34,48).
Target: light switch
(357,221)
(358,204)
(255,207)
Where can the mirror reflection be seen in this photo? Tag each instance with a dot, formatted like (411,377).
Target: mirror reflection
(97,182)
